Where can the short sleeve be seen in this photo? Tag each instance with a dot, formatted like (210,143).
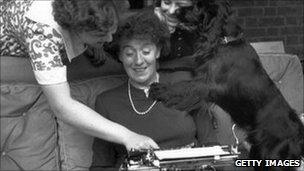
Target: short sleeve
(45,47)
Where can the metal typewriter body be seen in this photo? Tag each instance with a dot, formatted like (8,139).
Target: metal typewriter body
(198,158)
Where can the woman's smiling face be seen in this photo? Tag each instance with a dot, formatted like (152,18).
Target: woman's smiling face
(170,8)
(139,60)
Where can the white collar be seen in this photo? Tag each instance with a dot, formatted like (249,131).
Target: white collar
(146,88)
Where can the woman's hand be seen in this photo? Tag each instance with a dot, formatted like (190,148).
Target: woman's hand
(90,122)
(139,142)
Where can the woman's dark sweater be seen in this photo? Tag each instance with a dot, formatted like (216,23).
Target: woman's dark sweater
(167,127)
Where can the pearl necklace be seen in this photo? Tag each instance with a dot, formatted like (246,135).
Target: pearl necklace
(132,104)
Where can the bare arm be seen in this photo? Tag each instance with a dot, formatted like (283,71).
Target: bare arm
(90,122)
(44,46)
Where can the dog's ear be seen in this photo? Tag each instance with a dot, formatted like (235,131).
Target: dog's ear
(195,15)
(187,17)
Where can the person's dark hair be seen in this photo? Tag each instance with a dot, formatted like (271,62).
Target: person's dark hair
(212,20)
(143,25)
(84,15)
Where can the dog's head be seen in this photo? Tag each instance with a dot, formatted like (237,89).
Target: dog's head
(197,15)
(212,21)
(209,16)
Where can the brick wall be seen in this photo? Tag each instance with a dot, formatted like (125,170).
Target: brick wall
(272,20)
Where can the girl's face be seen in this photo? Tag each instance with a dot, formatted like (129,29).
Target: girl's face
(139,60)
(170,8)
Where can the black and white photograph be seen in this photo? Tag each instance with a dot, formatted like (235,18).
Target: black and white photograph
(152,85)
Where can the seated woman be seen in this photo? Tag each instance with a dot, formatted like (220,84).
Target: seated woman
(137,45)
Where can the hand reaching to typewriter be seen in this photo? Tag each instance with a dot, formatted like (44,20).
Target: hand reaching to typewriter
(140,142)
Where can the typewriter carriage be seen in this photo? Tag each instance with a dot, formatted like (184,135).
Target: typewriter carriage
(164,160)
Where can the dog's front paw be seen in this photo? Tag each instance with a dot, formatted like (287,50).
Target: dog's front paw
(169,96)
(159,92)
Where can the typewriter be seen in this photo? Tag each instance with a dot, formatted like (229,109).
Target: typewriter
(197,158)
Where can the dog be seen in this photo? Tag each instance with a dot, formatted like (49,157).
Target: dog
(228,72)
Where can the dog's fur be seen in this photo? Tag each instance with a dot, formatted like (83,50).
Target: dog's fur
(231,75)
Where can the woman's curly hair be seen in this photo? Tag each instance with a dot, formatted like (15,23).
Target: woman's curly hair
(212,20)
(84,15)
(143,25)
